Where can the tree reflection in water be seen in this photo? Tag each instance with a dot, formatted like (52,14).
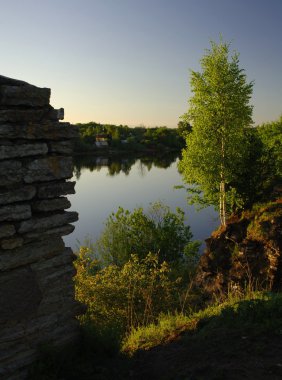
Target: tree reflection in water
(122,164)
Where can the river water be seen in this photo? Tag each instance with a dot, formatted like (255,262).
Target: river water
(103,184)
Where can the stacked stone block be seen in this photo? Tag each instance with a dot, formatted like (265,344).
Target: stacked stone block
(37,305)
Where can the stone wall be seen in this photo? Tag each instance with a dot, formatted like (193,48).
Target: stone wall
(37,303)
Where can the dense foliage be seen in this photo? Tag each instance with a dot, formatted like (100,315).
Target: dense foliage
(122,297)
(136,139)
(219,113)
(159,230)
(270,136)
(255,181)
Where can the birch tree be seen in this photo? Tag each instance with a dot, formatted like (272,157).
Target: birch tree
(219,112)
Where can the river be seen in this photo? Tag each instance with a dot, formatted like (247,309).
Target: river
(104,184)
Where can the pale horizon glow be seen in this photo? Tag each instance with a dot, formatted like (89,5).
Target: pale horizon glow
(127,61)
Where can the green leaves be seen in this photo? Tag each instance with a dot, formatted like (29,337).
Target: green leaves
(219,112)
(120,298)
(158,230)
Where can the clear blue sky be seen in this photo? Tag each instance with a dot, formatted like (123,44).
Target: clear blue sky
(128,61)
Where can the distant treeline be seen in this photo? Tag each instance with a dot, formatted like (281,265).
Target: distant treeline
(136,139)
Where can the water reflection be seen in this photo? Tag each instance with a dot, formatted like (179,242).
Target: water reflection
(120,164)
(105,183)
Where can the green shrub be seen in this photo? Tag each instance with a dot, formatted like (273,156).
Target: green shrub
(121,298)
(159,230)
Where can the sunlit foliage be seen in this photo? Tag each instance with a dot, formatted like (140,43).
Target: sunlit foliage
(219,112)
(159,230)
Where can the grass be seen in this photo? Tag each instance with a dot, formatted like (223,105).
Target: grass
(262,220)
(256,312)
(165,330)
(260,208)
(253,316)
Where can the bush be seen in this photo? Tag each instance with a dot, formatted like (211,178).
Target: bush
(124,285)
(121,298)
(159,231)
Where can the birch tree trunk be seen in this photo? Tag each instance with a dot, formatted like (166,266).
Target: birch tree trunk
(222,194)
(222,203)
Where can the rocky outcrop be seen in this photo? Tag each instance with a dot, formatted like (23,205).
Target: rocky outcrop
(37,303)
(246,254)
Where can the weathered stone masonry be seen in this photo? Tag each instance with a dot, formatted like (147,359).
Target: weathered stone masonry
(37,303)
